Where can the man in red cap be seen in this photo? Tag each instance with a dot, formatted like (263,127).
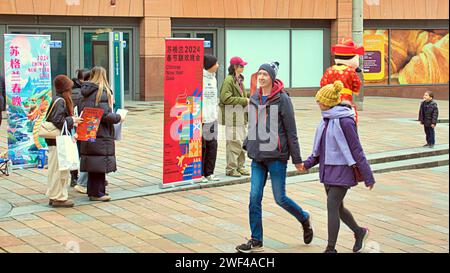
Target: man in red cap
(346,58)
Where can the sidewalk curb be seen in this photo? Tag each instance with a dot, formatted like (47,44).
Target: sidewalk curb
(311,176)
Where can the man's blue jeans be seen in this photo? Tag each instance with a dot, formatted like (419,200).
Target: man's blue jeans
(277,170)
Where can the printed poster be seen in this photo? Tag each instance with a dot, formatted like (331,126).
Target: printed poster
(412,56)
(87,130)
(373,58)
(182,110)
(28,94)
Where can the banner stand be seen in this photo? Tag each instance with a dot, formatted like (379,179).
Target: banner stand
(183,93)
(28,95)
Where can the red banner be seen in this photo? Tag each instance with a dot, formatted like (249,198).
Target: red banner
(182,110)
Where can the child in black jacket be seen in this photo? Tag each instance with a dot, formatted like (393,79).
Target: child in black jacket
(428,116)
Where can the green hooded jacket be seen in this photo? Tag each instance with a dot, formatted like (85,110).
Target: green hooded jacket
(230,94)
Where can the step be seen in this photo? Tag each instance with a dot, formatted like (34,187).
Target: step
(408,164)
(390,156)
(400,165)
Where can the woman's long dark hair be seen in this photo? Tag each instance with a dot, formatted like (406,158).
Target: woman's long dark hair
(232,71)
(67,96)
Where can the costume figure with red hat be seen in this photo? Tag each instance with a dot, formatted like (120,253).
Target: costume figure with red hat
(346,58)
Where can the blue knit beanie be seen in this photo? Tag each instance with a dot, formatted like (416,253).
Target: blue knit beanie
(271,68)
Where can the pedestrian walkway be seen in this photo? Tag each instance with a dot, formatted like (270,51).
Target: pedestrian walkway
(407,211)
(386,124)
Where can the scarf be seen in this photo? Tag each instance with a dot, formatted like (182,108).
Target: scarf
(337,151)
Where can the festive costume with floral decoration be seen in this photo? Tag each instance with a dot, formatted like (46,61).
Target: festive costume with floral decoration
(346,58)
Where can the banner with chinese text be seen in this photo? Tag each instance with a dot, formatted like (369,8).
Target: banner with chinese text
(182,110)
(28,94)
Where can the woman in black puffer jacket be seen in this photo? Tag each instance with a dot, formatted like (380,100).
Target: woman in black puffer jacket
(98,158)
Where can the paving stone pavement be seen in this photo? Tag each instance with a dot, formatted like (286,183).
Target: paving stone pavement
(406,212)
(386,124)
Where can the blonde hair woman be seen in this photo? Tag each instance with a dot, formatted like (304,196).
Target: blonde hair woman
(98,158)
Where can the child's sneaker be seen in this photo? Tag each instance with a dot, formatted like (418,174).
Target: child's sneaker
(251,246)
(360,240)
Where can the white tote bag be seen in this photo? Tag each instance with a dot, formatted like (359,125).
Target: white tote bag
(67,151)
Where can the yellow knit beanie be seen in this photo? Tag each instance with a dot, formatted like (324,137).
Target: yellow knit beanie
(329,95)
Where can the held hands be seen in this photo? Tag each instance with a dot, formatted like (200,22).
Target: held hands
(301,168)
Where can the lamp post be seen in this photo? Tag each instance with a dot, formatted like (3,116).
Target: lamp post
(357,35)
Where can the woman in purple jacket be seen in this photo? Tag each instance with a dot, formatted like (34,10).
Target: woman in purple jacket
(338,150)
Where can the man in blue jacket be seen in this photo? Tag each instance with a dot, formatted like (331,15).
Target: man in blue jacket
(272,139)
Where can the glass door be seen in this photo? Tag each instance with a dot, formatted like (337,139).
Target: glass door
(95,49)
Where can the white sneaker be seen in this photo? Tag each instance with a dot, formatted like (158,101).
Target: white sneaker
(80,189)
(204,180)
(212,178)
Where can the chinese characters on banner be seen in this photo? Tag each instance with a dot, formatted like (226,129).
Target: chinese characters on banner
(28,94)
(182,110)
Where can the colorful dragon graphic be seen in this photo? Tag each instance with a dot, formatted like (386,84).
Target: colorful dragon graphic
(38,106)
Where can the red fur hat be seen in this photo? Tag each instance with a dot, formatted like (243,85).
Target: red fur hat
(62,84)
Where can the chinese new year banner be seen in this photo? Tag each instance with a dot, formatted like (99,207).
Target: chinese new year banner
(28,94)
(182,110)
(87,130)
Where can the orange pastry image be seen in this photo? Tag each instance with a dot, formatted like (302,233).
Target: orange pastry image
(429,66)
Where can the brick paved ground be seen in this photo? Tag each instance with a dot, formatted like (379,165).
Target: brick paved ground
(406,212)
(385,124)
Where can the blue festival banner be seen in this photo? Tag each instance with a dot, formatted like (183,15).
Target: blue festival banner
(28,94)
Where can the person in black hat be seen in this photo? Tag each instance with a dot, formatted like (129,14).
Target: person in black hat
(209,116)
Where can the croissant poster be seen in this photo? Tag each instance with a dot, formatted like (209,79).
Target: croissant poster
(182,110)
(28,93)
(413,57)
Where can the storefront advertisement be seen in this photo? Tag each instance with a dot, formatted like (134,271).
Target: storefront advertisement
(376,43)
(426,58)
(413,56)
(182,110)
(374,62)
(28,92)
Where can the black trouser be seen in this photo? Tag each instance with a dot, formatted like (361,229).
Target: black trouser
(209,148)
(96,186)
(429,133)
(337,212)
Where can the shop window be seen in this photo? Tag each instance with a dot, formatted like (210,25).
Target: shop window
(260,46)
(307,58)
